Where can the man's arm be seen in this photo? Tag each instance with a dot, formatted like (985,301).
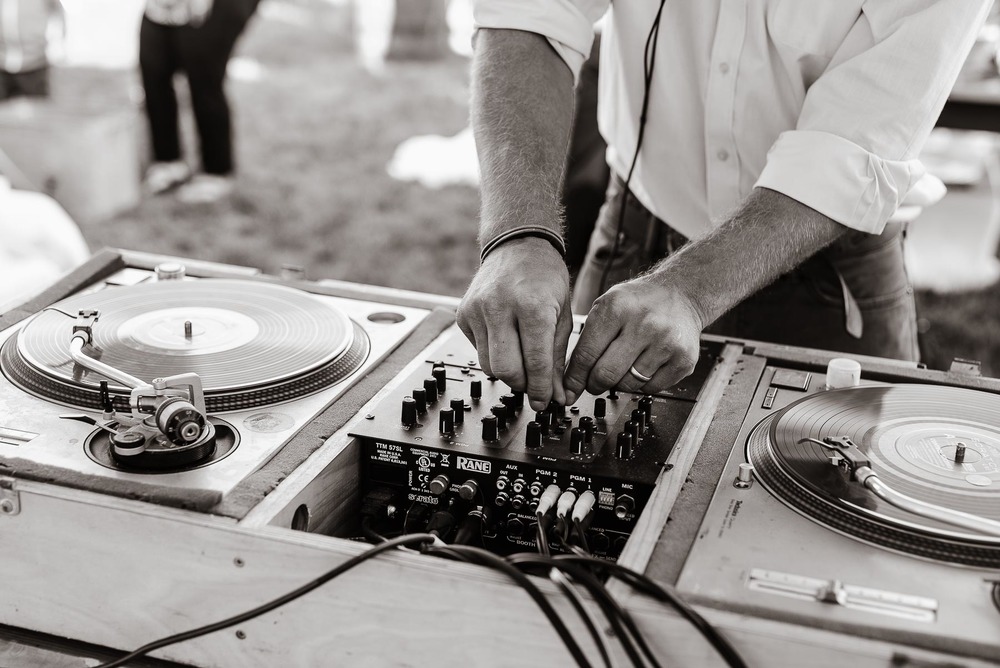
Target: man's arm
(654,321)
(516,311)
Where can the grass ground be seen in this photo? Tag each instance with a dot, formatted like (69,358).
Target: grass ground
(314,135)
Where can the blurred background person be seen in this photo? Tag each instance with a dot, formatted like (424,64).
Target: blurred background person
(24,31)
(195,37)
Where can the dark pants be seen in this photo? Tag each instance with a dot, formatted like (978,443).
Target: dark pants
(202,54)
(805,307)
(33,84)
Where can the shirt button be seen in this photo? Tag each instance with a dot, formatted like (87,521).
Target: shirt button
(724,68)
(723,154)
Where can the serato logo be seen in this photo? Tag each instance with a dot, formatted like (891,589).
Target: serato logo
(475,465)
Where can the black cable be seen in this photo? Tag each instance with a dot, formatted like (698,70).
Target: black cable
(411,539)
(624,626)
(59,310)
(649,60)
(666,595)
(568,589)
(581,535)
(486,558)
(369,533)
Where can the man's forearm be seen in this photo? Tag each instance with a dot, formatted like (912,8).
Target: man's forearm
(770,235)
(522,111)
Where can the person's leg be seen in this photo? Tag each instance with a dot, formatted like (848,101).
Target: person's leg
(157,64)
(205,52)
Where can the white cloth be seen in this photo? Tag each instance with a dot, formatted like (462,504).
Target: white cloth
(178,12)
(826,101)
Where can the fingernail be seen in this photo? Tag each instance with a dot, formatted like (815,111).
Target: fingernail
(537,405)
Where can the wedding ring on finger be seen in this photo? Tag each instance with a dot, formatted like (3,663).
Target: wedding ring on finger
(638,376)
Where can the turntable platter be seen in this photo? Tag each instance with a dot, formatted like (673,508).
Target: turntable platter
(251,343)
(910,433)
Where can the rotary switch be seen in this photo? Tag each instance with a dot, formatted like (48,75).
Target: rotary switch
(639,417)
(576,440)
(476,389)
(587,426)
(500,412)
(600,408)
(468,490)
(510,401)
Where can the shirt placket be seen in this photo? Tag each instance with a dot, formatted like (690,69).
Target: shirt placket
(721,155)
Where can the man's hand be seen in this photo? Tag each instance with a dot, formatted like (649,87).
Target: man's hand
(516,313)
(641,324)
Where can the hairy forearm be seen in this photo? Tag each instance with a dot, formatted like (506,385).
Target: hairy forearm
(522,111)
(768,236)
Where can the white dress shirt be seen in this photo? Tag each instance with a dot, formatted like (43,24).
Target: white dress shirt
(826,101)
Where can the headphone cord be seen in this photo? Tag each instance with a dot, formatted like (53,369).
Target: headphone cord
(649,60)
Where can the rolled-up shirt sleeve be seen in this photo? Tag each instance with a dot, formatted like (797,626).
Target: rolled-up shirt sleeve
(568,25)
(853,155)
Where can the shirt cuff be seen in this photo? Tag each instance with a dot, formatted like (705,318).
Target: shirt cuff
(839,178)
(569,30)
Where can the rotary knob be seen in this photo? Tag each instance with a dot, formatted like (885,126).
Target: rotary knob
(476,389)
(640,419)
(409,416)
(600,408)
(533,435)
(544,421)
(446,421)
(576,440)
(170,271)
(420,397)
(490,428)
(625,445)
(468,490)
(458,405)
(500,412)
(440,376)
(518,399)
(510,402)
(431,388)
(587,426)
(632,428)
(439,485)
(646,404)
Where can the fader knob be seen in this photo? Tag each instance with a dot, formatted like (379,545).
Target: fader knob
(490,428)
(409,417)
(600,408)
(533,435)
(446,421)
(500,412)
(458,405)
(431,388)
(440,375)
(420,397)
(439,485)
(476,389)
(576,439)
(625,445)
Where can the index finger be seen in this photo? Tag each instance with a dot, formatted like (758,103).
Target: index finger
(595,338)
(538,334)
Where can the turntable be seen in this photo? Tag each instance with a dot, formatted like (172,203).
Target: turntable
(874,510)
(176,390)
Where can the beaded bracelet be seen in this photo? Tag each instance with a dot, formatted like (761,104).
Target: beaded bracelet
(539,231)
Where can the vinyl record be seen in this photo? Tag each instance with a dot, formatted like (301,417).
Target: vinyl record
(910,433)
(251,343)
